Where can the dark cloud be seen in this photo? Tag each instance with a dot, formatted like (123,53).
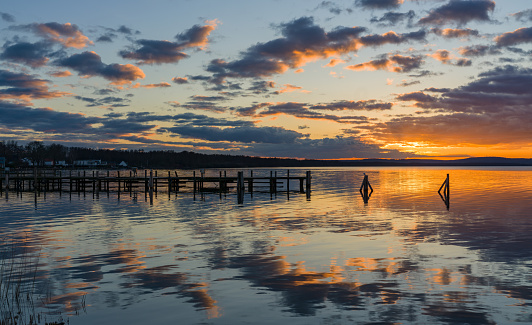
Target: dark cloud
(126,30)
(179,80)
(25,87)
(393,63)
(379,4)
(109,101)
(90,64)
(16,116)
(455,33)
(7,17)
(31,54)
(107,38)
(159,52)
(518,36)
(460,12)
(69,35)
(315,112)
(408,83)
(155,52)
(392,38)
(242,134)
(479,50)
(261,86)
(394,18)
(332,7)
(523,16)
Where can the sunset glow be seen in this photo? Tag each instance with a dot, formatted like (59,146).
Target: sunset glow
(320,79)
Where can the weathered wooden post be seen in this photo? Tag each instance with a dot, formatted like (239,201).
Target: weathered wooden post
(151,187)
(308,178)
(155,182)
(288,180)
(364,189)
(240,187)
(194,179)
(177,181)
(446,192)
(250,182)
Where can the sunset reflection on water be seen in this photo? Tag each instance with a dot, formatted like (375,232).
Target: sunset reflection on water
(400,257)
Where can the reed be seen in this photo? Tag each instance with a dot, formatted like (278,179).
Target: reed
(18,275)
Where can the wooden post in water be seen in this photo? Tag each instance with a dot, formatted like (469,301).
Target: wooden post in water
(288,180)
(155,182)
(250,182)
(240,187)
(176,181)
(194,179)
(364,189)
(151,187)
(308,178)
(446,192)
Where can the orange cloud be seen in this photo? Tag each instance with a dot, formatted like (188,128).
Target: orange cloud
(394,63)
(334,62)
(61,74)
(446,57)
(67,34)
(159,85)
(290,88)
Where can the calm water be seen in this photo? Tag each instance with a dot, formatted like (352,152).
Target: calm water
(400,258)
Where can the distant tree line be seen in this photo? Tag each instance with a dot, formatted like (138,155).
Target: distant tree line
(37,152)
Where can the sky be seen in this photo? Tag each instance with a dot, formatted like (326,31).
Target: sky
(300,79)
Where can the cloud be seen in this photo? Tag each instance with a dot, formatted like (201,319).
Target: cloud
(302,42)
(69,35)
(332,7)
(61,74)
(149,86)
(405,83)
(159,52)
(523,16)
(108,101)
(31,54)
(241,134)
(324,148)
(315,112)
(518,36)
(261,86)
(394,18)
(393,63)
(179,80)
(478,50)
(24,87)
(460,12)
(7,17)
(90,64)
(20,117)
(290,88)
(206,103)
(379,4)
(495,109)
(446,57)
(197,35)
(455,33)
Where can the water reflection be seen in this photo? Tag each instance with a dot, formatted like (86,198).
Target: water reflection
(402,258)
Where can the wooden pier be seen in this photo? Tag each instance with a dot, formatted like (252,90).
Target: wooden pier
(120,181)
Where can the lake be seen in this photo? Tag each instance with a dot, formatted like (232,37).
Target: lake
(403,256)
